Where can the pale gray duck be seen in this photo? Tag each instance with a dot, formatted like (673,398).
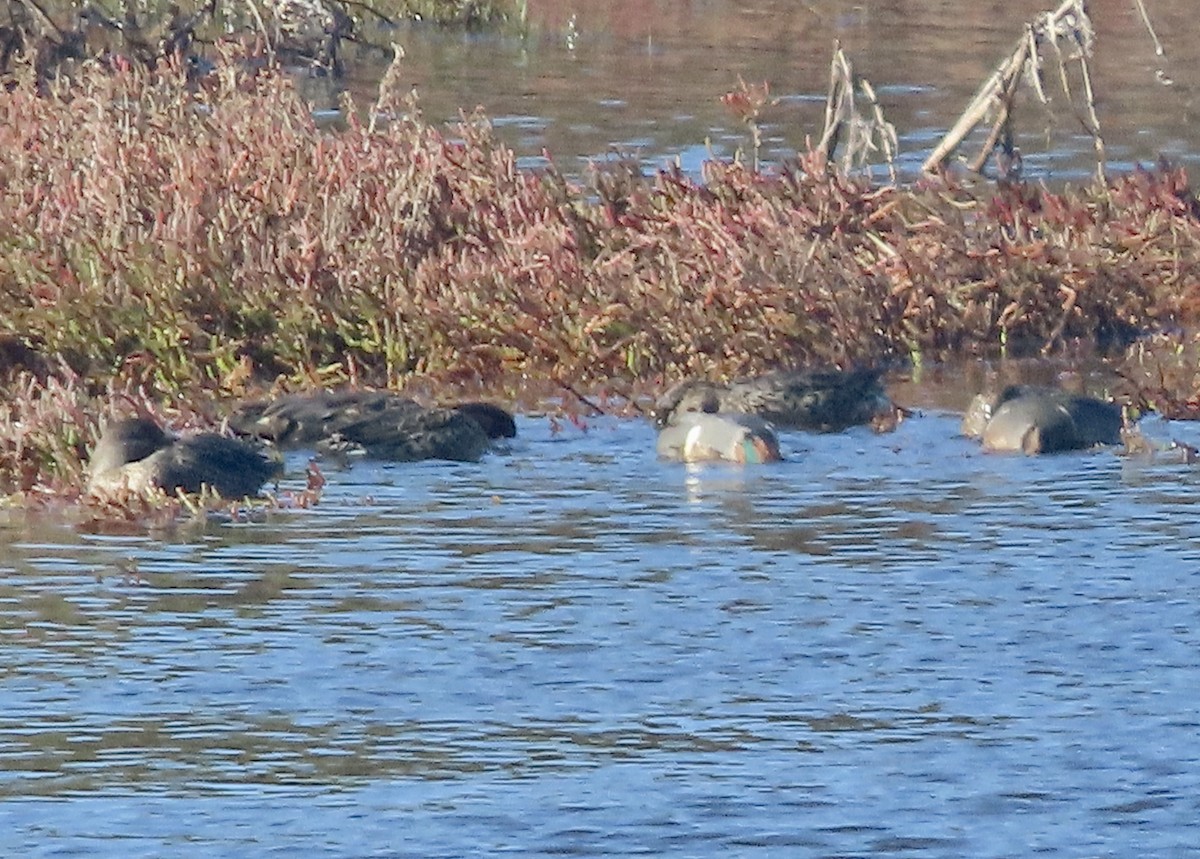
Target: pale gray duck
(1034,420)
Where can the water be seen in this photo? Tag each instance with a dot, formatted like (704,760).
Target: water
(596,78)
(886,646)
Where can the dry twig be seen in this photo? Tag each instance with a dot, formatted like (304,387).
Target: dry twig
(863,136)
(1069,24)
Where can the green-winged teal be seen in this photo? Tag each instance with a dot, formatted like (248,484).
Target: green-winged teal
(1041,420)
(137,454)
(702,436)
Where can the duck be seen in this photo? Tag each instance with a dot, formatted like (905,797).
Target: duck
(821,400)
(139,455)
(1032,420)
(720,436)
(379,424)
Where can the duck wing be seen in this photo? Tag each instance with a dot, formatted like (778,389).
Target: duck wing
(232,467)
(409,432)
(300,420)
(825,401)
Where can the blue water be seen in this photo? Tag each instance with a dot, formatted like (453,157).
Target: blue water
(886,646)
(596,78)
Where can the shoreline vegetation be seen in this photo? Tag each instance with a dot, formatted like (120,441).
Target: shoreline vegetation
(175,243)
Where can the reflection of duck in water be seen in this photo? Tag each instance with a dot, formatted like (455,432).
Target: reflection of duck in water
(1041,420)
(824,401)
(136,454)
(381,424)
(700,436)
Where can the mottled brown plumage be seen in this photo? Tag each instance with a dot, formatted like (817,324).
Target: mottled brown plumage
(378,423)
(823,401)
(137,454)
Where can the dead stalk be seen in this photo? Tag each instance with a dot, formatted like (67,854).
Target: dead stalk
(1069,24)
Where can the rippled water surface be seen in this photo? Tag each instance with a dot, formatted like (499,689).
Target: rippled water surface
(886,646)
(589,78)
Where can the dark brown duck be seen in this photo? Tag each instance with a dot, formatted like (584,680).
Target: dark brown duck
(822,401)
(137,454)
(379,423)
